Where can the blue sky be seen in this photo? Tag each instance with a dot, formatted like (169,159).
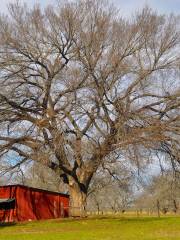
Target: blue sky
(126,6)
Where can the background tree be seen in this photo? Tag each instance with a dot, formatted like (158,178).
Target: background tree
(111,188)
(162,188)
(79,85)
(39,176)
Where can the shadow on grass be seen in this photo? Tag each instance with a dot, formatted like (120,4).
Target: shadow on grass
(142,219)
(129,219)
(7,224)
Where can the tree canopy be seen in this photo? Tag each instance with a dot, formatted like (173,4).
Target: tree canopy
(80,87)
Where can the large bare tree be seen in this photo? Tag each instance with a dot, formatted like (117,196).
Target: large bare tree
(80,86)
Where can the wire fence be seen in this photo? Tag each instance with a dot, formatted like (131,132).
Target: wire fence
(134,212)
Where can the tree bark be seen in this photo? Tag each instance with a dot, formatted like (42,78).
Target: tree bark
(78,199)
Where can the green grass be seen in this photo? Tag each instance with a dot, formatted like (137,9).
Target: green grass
(120,228)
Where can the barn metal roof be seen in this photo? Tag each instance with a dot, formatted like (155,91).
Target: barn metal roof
(35,189)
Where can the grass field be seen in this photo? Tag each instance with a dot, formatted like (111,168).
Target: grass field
(120,228)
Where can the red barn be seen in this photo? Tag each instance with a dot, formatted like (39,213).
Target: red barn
(22,203)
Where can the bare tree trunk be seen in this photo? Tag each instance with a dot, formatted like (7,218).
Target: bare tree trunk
(98,208)
(158,208)
(175,206)
(77,200)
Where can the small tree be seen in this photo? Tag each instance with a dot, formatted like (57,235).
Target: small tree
(79,84)
(40,176)
(162,193)
(111,190)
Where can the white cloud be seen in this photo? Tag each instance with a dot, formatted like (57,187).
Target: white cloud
(4,3)
(127,7)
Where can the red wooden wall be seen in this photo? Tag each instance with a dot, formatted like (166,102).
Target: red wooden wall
(33,204)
